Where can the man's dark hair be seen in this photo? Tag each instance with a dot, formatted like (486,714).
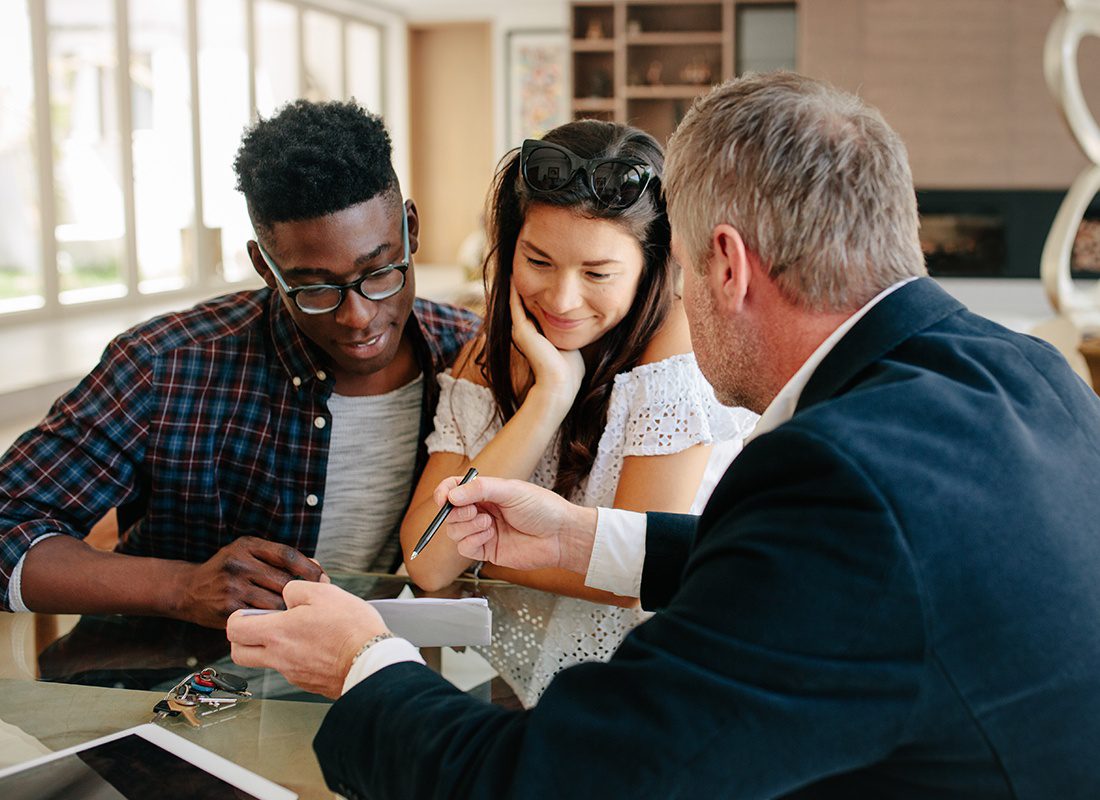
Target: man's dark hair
(313,159)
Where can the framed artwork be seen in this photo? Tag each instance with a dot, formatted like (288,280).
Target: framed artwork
(538,93)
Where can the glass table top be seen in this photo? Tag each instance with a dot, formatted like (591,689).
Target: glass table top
(67,679)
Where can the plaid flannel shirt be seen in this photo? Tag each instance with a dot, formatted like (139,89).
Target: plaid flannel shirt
(199,427)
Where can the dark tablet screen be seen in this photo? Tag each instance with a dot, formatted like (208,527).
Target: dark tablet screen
(129,767)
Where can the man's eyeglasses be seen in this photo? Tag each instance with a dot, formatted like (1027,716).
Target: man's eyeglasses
(614,182)
(320,298)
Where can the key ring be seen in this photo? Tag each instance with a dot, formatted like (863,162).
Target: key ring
(196,691)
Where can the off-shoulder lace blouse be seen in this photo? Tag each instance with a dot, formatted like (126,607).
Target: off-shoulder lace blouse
(658,408)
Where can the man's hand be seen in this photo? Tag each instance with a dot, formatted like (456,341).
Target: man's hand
(313,642)
(247,573)
(516,524)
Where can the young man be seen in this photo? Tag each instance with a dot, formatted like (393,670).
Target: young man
(892,592)
(241,436)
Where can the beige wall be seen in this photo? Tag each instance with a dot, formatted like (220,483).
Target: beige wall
(451,127)
(962,82)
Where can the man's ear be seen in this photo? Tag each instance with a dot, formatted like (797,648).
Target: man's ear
(260,265)
(730,271)
(414,225)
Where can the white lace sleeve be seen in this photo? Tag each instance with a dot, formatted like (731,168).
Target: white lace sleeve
(464,418)
(668,406)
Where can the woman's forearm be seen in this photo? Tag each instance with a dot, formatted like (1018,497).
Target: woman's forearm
(513,452)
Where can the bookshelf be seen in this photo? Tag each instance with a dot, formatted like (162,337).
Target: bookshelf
(643,62)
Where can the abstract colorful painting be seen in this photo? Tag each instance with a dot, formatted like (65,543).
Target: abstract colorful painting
(538,92)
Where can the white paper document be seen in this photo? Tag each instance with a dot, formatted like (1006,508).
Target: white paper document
(437,622)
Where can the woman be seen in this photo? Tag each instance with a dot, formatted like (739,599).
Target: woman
(582,380)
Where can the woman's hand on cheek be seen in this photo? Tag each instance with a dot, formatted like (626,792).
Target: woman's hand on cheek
(558,373)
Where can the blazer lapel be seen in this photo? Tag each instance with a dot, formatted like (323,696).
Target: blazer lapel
(897,317)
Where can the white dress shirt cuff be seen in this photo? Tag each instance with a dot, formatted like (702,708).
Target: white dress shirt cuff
(618,552)
(15,583)
(379,656)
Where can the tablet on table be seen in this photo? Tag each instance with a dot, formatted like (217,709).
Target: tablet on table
(141,762)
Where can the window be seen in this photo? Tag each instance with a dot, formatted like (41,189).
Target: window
(223,62)
(89,218)
(766,37)
(21,273)
(277,55)
(163,165)
(324,57)
(364,66)
(127,114)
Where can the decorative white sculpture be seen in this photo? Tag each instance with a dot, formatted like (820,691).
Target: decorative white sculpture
(1078,19)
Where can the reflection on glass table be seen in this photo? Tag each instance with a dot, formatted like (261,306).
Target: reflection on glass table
(61,685)
(150,653)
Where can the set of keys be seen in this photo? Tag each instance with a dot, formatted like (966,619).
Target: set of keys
(195,696)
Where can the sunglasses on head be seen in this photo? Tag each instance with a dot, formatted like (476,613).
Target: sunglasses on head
(614,182)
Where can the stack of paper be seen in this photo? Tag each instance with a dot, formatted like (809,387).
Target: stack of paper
(438,622)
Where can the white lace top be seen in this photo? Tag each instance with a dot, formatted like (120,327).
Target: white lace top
(655,409)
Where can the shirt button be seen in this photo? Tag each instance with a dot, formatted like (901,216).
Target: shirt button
(296,381)
(312,500)
(321,375)
(319,422)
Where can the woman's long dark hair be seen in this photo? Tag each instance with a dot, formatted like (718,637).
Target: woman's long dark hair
(619,349)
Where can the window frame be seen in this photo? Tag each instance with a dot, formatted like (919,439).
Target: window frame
(201,277)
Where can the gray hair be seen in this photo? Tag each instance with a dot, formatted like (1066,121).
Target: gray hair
(814,180)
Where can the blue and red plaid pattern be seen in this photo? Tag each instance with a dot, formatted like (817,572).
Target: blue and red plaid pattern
(199,427)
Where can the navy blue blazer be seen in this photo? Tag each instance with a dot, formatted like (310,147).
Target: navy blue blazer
(894,594)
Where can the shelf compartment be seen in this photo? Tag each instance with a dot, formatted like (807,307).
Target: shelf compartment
(672,65)
(603,116)
(689,38)
(658,116)
(593,74)
(593,22)
(669,92)
(593,45)
(592,104)
(673,18)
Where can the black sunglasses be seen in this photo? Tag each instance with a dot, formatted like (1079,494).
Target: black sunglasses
(614,182)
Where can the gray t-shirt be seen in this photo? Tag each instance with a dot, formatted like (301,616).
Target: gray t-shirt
(371,461)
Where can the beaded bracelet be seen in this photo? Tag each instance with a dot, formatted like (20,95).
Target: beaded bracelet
(371,642)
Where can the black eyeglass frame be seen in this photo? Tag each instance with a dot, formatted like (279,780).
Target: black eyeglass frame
(586,165)
(356,285)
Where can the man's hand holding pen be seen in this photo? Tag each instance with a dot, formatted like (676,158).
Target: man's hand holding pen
(514,524)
